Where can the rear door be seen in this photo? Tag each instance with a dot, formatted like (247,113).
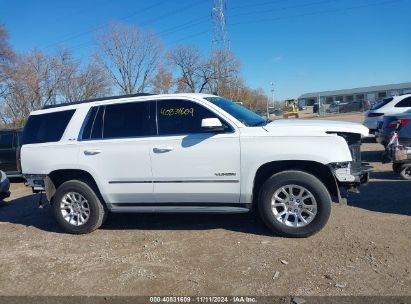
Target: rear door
(114,146)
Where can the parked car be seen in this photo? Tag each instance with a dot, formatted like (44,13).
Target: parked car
(9,152)
(336,107)
(4,186)
(188,153)
(387,106)
(388,125)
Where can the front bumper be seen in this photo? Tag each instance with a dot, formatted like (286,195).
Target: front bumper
(4,195)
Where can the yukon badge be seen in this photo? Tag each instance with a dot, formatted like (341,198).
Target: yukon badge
(225,174)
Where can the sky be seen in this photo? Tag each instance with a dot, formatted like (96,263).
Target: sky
(300,46)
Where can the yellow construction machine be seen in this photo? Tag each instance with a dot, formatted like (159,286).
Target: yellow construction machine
(290,108)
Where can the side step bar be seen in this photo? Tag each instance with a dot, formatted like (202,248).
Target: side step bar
(177,209)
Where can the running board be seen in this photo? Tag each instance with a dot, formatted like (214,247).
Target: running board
(177,209)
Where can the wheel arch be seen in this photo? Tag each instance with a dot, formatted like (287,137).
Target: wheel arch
(319,170)
(57,177)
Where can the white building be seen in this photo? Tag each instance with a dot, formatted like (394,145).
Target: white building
(371,94)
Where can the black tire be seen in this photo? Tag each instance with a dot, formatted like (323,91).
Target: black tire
(405,171)
(98,210)
(396,167)
(302,179)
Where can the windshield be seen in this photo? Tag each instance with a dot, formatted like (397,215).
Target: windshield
(247,117)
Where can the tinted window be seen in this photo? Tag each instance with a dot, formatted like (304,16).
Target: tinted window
(181,117)
(405,103)
(382,103)
(129,120)
(244,115)
(89,125)
(6,140)
(46,127)
(97,127)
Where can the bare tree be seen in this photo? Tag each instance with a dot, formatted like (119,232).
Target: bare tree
(32,82)
(78,82)
(130,55)
(162,82)
(195,71)
(226,72)
(7,56)
(36,79)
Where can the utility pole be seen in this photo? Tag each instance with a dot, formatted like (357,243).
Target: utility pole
(319,105)
(272,100)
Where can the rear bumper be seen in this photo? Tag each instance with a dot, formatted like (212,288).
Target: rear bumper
(36,181)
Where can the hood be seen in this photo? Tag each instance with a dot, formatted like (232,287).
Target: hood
(320,125)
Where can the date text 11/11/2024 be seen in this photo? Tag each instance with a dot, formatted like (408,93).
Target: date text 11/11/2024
(203,299)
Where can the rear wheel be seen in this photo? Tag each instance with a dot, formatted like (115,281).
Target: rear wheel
(77,208)
(405,171)
(294,204)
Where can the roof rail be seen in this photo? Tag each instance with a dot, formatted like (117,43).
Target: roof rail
(94,99)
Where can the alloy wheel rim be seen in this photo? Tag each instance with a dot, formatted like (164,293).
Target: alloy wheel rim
(293,206)
(75,208)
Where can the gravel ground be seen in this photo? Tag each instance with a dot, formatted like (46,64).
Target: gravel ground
(363,250)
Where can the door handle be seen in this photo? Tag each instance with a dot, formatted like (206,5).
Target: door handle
(92,152)
(162,149)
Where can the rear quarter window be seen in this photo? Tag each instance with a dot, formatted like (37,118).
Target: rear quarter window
(405,103)
(45,128)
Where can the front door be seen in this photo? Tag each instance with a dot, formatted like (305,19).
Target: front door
(115,145)
(190,165)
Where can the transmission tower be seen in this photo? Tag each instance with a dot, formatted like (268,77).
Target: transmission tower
(219,39)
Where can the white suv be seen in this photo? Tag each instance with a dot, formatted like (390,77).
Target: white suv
(387,106)
(188,153)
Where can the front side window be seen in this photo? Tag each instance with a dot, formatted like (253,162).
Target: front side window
(179,117)
(47,127)
(405,103)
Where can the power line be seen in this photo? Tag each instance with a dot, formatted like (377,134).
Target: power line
(296,15)
(316,13)
(166,15)
(282,8)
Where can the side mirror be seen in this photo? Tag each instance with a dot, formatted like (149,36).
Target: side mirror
(212,125)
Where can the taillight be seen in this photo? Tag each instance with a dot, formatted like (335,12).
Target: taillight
(372,114)
(404,122)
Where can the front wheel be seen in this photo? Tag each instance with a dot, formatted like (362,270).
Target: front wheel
(294,204)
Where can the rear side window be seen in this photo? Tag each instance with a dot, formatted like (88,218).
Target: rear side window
(121,121)
(6,140)
(48,127)
(382,103)
(405,103)
(129,120)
